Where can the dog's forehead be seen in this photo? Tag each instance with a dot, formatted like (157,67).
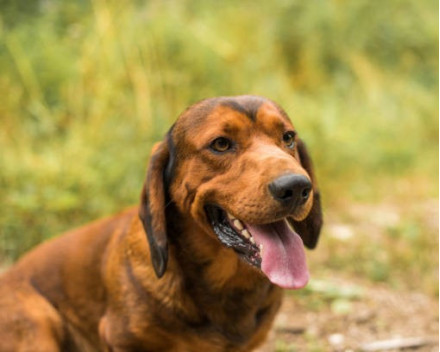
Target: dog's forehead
(226,114)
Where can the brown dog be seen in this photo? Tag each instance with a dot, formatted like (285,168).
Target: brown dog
(222,194)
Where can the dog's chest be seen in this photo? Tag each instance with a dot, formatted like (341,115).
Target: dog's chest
(229,321)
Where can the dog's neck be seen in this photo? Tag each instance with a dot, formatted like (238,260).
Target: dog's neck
(206,289)
(217,284)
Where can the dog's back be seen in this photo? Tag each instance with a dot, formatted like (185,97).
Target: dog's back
(55,294)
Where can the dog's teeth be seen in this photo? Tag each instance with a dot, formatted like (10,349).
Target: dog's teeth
(261,248)
(230,217)
(238,225)
(246,234)
(252,240)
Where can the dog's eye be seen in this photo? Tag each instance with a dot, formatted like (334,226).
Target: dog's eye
(221,144)
(289,139)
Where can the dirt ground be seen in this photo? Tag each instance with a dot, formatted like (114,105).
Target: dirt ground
(379,319)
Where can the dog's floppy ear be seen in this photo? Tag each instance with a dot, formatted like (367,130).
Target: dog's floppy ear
(310,227)
(152,207)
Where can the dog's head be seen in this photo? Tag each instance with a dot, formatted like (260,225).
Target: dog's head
(238,168)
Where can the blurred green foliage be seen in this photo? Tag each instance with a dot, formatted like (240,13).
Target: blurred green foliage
(87,86)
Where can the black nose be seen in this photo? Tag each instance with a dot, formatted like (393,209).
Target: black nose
(291,189)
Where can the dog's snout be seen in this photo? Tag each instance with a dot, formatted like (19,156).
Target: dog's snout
(291,189)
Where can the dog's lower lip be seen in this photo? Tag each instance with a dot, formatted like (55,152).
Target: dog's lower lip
(233,234)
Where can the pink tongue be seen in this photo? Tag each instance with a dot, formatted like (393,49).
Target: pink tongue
(284,260)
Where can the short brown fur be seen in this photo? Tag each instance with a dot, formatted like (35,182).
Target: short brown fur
(105,287)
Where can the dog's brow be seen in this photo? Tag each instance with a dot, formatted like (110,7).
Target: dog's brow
(250,109)
(277,125)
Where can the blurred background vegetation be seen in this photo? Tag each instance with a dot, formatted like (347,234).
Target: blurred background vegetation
(87,86)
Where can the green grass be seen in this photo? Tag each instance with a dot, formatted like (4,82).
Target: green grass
(86,88)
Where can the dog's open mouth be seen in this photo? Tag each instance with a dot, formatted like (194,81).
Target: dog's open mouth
(274,247)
